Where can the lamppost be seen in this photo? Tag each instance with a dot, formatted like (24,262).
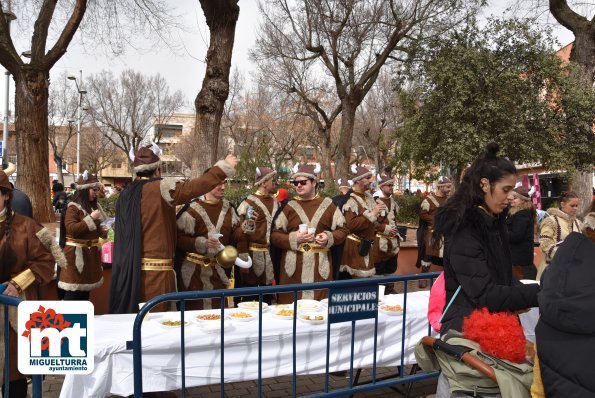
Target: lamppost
(9,16)
(78,122)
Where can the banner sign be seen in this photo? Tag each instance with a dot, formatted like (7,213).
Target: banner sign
(352,303)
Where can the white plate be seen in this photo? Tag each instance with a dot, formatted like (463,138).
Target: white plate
(252,305)
(324,302)
(279,313)
(248,315)
(275,307)
(385,309)
(308,305)
(313,318)
(215,327)
(161,323)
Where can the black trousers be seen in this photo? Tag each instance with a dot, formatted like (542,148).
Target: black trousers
(17,388)
(387,267)
(76,295)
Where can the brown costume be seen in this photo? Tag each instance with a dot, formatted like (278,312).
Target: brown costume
(36,252)
(307,262)
(82,250)
(362,226)
(428,209)
(257,246)
(386,244)
(200,270)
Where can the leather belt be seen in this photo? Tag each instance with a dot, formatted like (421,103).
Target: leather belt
(82,242)
(157,264)
(258,247)
(200,259)
(311,248)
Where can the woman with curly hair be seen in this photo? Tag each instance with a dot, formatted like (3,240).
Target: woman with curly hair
(28,252)
(477,261)
(556,227)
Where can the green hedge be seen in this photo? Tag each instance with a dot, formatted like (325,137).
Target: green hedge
(408,209)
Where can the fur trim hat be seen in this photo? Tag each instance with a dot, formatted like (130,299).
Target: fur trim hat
(344,183)
(443,180)
(522,192)
(306,170)
(359,172)
(4,183)
(384,180)
(10,168)
(87,181)
(146,158)
(263,174)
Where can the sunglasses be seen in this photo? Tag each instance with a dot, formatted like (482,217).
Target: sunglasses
(302,182)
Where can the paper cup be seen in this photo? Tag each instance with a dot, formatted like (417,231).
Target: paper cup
(303,228)
(381,292)
(311,230)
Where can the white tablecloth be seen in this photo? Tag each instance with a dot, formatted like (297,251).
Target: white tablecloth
(113,373)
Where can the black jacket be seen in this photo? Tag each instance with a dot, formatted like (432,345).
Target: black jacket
(566,330)
(520,236)
(477,257)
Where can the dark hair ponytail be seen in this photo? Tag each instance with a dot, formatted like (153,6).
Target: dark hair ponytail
(7,256)
(469,194)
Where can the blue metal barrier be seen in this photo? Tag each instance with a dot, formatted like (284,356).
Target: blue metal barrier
(36,380)
(182,297)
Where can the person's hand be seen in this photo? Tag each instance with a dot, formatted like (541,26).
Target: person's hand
(11,290)
(232,160)
(321,239)
(254,216)
(213,243)
(95,214)
(304,237)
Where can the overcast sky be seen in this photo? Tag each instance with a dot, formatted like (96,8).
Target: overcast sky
(184,70)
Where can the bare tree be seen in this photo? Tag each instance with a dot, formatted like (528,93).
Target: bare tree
(221,16)
(345,43)
(97,151)
(51,25)
(126,108)
(62,107)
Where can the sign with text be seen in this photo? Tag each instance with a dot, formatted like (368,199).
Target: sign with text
(55,337)
(352,303)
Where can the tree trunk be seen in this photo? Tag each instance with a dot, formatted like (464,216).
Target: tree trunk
(31,105)
(345,137)
(327,152)
(221,16)
(59,167)
(581,183)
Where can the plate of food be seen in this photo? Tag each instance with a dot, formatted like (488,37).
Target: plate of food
(252,305)
(210,316)
(313,318)
(214,327)
(308,305)
(241,315)
(172,323)
(281,306)
(324,302)
(391,309)
(283,313)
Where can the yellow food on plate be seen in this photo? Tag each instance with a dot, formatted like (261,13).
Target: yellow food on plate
(313,317)
(392,308)
(173,323)
(285,313)
(240,315)
(209,317)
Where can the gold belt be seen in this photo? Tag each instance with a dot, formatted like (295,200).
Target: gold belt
(355,238)
(82,242)
(156,264)
(258,247)
(200,259)
(311,248)
(385,236)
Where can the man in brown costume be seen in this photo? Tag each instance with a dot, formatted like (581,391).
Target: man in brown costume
(80,231)
(386,243)
(145,229)
(305,255)
(362,214)
(28,253)
(205,227)
(264,205)
(430,252)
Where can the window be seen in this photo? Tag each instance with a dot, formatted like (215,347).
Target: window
(169,131)
(117,164)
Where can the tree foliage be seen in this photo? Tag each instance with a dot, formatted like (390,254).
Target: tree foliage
(502,83)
